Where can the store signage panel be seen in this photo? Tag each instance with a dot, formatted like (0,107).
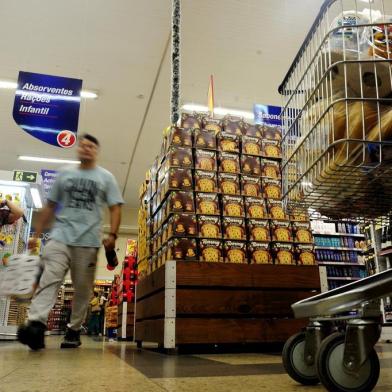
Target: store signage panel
(48,179)
(25,176)
(267,114)
(47,107)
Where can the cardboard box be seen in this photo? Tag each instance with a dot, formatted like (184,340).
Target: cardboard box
(251,186)
(255,208)
(270,169)
(272,133)
(229,184)
(272,188)
(178,157)
(250,165)
(233,206)
(179,137)
(189,120)
(253,130)
(259,253)
(251,145)
(182,224)
(234,228)
(233,125)
(212,124)
(209,226)
(271,149)
(235,251)
(177,179)
(283,253)
(304,254)
(281,231)
(207,204)
(180,201)
(228,142)
(211,250)
(258,230)
(276,210)
(205,160)
(229,162)
(206,181)
(205,139)
(302,233)
(182,249)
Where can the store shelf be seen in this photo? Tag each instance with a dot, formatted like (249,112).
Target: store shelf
(343,278)
(385,252)
(343,263)
(341,234)
(337,248)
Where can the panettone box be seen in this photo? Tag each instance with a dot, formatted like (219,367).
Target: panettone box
(270,169)
(229,184)
(180,201)
(272,133)
(205,160)
(251,186)
(299,215)
(182,249)
(212,124)
(272,188)
(228,142)
(178,157)
(210,250)
(251,145)
(207,203)
(233,206)
(253,130)
(235,252)
(179,137)
(204,139)
(234,228)
(182,224)
(164,254)
(283,253)
(271,149)
(304,254)
(302,233)
(229,162)
(276,210)
(233,125)
(258,230)
(255,208)
(189,120)
(281,231)
(209,226)
(259,253)
(176,178)
(250,165)
(206,181)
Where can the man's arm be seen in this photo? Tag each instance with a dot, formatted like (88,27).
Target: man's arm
(115,220)
(45,217)
(15,211)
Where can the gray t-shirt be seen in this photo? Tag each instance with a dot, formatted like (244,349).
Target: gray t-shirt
(81,196)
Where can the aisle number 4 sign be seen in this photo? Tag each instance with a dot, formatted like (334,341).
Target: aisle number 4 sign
(25,176)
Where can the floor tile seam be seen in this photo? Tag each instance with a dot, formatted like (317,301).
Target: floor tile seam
(8,374)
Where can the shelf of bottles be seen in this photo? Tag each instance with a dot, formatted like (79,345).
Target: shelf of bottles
(339,247)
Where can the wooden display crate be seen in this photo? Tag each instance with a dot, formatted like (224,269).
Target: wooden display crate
(214,303)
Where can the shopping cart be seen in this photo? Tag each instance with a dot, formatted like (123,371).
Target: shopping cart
(337,150)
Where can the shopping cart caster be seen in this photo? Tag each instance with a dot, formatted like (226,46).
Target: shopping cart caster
(336,376)
(299,353)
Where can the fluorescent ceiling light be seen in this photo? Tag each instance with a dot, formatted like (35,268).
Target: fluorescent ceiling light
(36,198)
(8,84)
(220,111)
(50,160)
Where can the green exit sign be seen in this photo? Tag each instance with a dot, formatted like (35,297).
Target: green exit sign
(25,176)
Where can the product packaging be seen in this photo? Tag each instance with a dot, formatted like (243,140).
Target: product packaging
(189,121)
(205,160)
(272,133)
(207,204)
(255,208)
(211,250)
(229,183)
(258,230)
(259,253)
(304,254)
(253,130)
(272,189)
(206,181)
(283,253)
(251,186)
(251,145)
(212,124)
(271,149)
(302,233)
(233,125)
(205,139)
(229,162)
(182,249)
(228,142)
(178,157)
(235,251)
(233,206)
(179,137)
(281,231)
(234,228)
(209,226)
(182,224)
(270,169)
(179,201)
(276,210)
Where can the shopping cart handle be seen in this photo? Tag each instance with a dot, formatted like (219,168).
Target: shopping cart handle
(346,298)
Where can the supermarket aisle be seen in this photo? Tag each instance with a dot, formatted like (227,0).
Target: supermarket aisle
(120,367)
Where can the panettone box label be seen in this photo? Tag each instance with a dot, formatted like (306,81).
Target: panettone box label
(272,133)
(259,253)
(299,215)
(182,225)
(179,157)
(229,162)
(281,231)
(211,250)
(209,226)
(177,178)
(235,251)
(283,253)
(302,232)
(228,142)
(206,181)
(250,165)
(182,249)
(253,130)
(251,186)
(251,145)
(305,254)
(207,204)
(271,149)
(180,201)
(205,139)
(212,124)
(233,206)
(255,208)
(233,228)
(272,189)
(180,137)
(258,230)
(229,184)
(233,126)
(205,160)
(276,210)
(191,120)
(270,169)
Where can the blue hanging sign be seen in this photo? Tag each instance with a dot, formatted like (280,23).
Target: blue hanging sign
(267,114)
(47,107)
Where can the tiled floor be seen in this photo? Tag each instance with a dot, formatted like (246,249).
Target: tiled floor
(120,367)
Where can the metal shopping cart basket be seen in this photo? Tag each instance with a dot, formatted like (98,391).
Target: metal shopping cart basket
(337,162)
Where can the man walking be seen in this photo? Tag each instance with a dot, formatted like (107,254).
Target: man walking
(76,202)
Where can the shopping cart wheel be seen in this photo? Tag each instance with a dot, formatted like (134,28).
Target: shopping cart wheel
(294,361)
(333,374)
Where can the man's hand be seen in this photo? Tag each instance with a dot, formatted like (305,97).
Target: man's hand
(109,242)
(33,243)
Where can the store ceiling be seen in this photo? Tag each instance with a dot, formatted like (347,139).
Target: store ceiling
(118,48)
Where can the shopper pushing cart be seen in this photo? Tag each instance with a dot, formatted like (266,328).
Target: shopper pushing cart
(76,202)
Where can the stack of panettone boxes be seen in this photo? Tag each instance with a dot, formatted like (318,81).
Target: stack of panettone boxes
(214,195)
